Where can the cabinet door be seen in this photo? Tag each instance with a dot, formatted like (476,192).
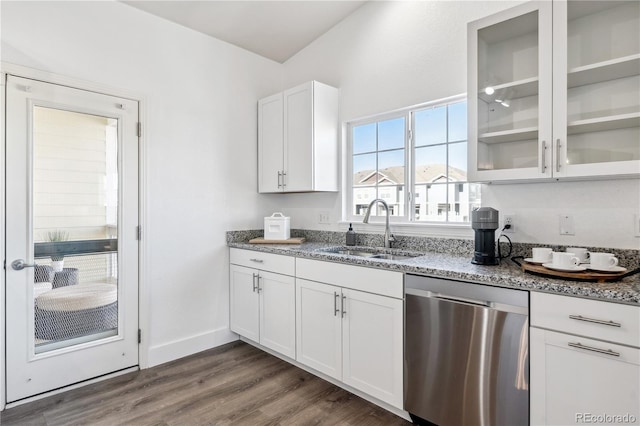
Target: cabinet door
(270,144)
(570,383)
(244,302)
(277,313)
(318,327)
(596,80)
(372,342)
(298,138)
(509,94)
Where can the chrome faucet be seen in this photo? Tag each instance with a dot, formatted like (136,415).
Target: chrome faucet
(388,237)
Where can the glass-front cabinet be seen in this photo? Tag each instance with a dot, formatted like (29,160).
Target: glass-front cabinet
(553,91)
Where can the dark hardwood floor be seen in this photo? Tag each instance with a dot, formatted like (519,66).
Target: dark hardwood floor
(235,384)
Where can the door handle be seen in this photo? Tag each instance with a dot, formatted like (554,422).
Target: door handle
(543,166)
(279,176)
(20,264)
(335,304)
(342,305)
(254,282)
(558,155)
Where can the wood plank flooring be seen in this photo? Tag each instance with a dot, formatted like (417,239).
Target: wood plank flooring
(235,384)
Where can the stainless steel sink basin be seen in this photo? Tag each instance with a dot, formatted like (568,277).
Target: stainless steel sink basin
(393,256)
(374,254)
(353,253)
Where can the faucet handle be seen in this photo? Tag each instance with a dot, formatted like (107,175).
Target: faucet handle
(392,239)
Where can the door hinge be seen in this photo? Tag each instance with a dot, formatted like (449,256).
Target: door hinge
(139,129)
(139,336)
(138,232)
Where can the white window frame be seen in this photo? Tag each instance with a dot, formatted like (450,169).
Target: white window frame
(408,218)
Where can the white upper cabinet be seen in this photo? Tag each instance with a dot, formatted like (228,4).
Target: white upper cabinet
(567,105)
(298,140)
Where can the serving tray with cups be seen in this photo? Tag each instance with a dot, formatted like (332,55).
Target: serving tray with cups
(576,264)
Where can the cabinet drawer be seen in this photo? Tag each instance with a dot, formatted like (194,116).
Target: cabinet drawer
(590,318)
(378,281)
(264,261)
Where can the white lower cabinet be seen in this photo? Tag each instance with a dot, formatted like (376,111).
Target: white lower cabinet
(263,308)
(578,379)
(352,336)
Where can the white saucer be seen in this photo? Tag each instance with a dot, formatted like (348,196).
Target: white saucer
(611,269)
(570,269)
(537,262)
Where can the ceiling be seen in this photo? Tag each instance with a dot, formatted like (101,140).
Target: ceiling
(274,29)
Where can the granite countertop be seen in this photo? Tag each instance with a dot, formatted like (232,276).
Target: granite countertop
(458,266)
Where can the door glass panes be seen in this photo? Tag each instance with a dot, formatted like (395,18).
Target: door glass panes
(75,227)
(508,89)
(379,166)
(603,82)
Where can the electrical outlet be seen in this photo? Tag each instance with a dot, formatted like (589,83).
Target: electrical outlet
(509,219)
(636,224)
(323,218)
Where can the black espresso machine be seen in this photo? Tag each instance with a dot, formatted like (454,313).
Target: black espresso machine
(484,222)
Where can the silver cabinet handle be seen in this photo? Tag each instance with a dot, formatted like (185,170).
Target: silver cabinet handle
(544,157)
(254,282)
(557,155)
(342,305)
(279,175)
(335,304)
(284,183)
(592,349)
(258,286)
(597,321)
(257,260)
(20,264)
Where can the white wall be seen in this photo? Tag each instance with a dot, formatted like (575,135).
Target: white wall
(200,132)
(389,55)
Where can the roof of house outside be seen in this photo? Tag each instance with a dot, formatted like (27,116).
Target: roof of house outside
(395,175)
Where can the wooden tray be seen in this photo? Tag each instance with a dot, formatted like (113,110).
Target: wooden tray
(587,275)
(261,240)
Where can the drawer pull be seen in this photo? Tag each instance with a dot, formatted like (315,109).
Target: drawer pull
(592,349)
(597,321)
(257,260)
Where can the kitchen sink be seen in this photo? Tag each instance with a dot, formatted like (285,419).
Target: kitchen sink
(373,254)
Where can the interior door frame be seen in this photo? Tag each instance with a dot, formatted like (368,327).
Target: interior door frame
(143,249)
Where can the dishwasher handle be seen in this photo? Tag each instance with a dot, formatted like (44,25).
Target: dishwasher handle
(520,310)
(448,298)
(457,299)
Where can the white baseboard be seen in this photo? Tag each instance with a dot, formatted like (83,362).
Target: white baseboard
(188,346)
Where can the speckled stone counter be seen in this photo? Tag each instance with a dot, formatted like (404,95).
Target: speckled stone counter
(451,259)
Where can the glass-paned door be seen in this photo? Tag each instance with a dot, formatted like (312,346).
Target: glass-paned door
(72,212)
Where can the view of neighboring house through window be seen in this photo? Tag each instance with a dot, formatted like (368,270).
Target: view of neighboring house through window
(416,161)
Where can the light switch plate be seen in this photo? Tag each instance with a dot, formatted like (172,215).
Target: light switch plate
(323,217)
(566,225)
(636,225)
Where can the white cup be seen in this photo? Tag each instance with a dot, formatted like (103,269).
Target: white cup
(580,252)
(603,261)
(565,260)
(541,254)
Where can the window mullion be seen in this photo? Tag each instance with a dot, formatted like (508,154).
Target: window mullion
(410,169)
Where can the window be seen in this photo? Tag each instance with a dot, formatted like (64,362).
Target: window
(422,149)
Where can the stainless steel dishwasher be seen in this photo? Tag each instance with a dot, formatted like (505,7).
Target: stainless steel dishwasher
(466,353)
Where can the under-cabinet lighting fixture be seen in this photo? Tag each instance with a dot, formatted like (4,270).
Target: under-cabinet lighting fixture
(505,104)
(489,90)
